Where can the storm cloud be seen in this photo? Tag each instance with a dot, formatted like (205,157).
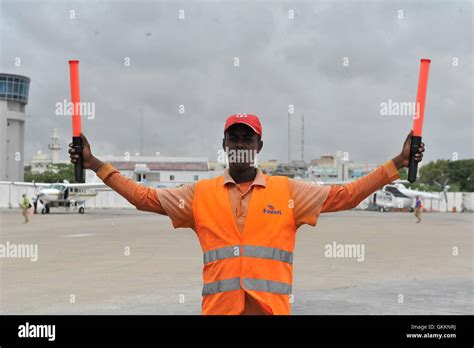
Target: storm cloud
(289,53)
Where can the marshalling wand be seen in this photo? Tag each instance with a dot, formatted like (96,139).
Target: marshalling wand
(418,118)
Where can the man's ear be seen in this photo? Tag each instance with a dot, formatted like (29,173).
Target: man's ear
(260,145)
(223,143)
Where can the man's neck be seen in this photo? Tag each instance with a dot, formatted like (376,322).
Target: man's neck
(245,176)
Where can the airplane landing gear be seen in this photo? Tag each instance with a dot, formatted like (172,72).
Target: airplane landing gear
(81,210)
(45,209)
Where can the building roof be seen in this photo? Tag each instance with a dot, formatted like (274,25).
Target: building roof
(155,163)
(154,166)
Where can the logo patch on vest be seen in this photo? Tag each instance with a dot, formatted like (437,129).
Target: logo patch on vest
(270,209)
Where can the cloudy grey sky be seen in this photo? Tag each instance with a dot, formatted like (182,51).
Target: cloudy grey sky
(283,61)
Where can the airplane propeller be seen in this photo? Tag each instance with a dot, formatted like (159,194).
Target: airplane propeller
(445,187)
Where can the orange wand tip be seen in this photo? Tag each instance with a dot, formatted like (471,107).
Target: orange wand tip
(75,97)
(426,60)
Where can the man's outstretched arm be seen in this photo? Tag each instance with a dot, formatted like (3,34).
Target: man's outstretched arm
(142,197)
(350,195)
(174,202)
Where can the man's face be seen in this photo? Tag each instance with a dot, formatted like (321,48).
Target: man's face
(241,144)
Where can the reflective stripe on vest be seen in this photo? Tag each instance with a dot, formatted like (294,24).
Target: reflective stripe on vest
(268,253)
(221,286)
(221,253)
(266,285)
(250,251)
(249,283)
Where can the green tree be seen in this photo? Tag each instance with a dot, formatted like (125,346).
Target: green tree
(55,173)
(461,172)
(434,174)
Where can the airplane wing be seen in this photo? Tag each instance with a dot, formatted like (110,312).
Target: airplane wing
(27,184)
(428,195)
(400,181)
(42,184)
(86,185)
(343,182)
(414,193)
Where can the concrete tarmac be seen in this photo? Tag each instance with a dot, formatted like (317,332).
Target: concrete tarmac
(131,262)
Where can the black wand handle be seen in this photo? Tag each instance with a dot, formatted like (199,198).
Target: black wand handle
(413,166)
(78,166)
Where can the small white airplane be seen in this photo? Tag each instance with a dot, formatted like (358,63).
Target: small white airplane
(396,195)
(73,196)
(70,196)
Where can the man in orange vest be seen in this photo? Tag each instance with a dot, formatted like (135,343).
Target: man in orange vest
(245,220)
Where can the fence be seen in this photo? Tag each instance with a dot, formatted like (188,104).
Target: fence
(10,197)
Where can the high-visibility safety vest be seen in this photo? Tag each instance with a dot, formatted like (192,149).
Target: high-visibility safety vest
(25,203)
(258,260)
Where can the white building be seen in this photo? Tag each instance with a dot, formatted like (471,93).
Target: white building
(338,168)
(13,99)
(55,147)
(41,163)
(157,171)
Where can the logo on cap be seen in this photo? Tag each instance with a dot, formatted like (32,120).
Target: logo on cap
(248,119)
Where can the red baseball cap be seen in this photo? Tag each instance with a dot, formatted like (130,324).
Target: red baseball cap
(248,119)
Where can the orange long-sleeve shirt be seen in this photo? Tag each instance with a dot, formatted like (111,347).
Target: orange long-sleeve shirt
(309,200)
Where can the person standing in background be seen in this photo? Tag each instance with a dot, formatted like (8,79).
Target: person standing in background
(418,207)
(35,203)
(25,205)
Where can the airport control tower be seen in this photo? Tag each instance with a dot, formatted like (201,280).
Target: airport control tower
(13,99)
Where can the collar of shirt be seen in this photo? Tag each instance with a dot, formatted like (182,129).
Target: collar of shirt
(259,178)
